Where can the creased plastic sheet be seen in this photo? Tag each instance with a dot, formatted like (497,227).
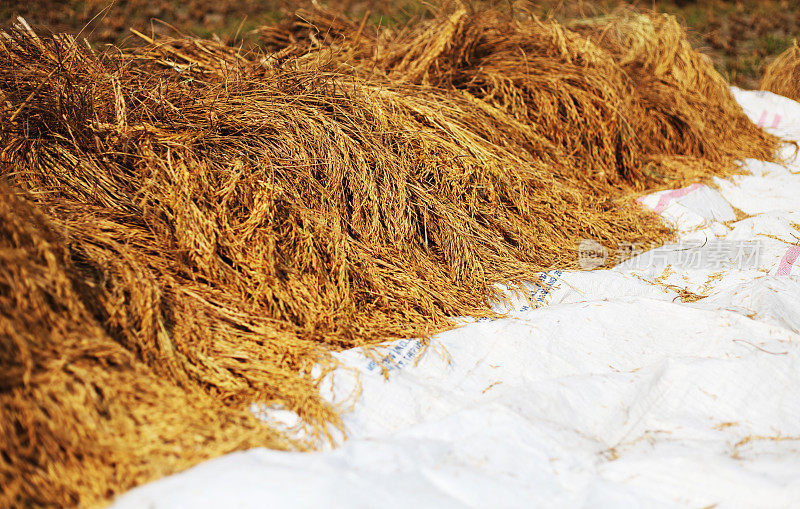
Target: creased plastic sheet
(617,393)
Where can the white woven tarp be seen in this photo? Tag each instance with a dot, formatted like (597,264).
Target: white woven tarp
(615,394)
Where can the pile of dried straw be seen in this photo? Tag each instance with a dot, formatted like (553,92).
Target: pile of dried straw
(623,100)
(187,230)
(782,76)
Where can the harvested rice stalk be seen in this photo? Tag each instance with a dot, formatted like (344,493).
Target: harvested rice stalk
(682,109)
(621,94)
(82,419)
(782,76)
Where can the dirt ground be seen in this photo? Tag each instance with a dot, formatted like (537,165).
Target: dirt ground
(740,36)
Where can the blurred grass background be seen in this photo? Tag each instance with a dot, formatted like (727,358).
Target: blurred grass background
(740,36)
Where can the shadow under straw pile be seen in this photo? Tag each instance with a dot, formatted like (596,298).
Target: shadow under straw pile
(188,230)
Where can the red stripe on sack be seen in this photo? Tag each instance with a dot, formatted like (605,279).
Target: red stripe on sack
(776,122)
(785,267)
(665,198)
(762,119)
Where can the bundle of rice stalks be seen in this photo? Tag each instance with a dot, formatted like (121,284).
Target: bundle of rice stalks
(225,220)
(782,76)
(82,418)
(624,96)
